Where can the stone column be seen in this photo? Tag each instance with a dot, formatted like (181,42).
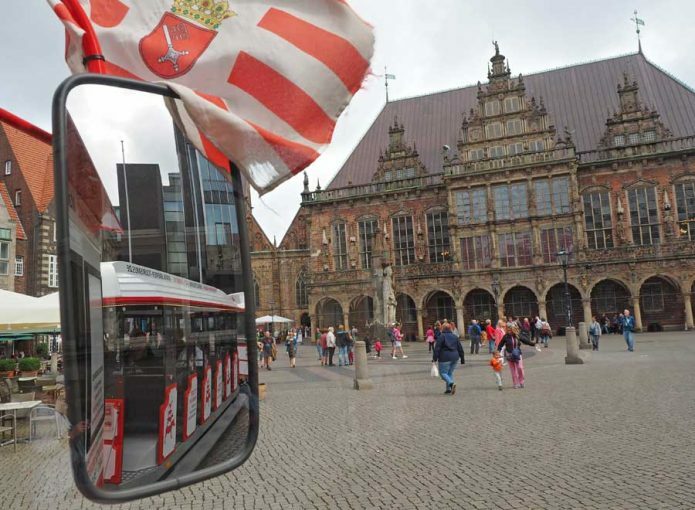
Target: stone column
(637,313)
(314,324)
(362,380)
(688,312)
(346,320)
(500,311)
(586,303)
(460,324)
(542,310)
(420,325)
(572,357)
(583,333)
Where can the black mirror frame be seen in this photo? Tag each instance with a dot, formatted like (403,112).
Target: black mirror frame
(89,490)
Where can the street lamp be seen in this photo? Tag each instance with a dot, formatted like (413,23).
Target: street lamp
(563,257)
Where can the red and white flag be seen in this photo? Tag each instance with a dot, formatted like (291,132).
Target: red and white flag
(262,82)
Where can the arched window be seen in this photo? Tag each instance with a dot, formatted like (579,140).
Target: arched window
(256,293)
(300,291)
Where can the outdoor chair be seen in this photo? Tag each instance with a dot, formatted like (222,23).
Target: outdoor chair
(23,397)
(8,423)
(12,383)
(45,413)
(27,384)
(5,392)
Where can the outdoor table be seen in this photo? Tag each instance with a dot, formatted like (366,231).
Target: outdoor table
(14,407)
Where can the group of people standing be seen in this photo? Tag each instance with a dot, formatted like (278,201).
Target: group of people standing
(624,323)
(343,339)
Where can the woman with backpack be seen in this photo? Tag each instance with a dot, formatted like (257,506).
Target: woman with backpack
(512,346)
(546,333)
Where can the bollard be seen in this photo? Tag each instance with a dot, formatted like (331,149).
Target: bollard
(583,333)
(362,380)
(572,357)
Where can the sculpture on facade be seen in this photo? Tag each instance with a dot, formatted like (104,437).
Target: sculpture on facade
(389,297)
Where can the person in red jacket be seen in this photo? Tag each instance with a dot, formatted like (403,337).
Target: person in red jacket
(490,330)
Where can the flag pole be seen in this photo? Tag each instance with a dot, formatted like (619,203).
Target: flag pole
(93,58)
(127,205)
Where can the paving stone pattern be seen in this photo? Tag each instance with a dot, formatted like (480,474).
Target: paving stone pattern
(615,433)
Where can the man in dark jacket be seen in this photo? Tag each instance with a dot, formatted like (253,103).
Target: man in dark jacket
(447,352)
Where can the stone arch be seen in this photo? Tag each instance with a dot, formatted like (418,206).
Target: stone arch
(520,301)
(439,305)
(556,308)
(480,304)
(361,312)
(406,315)
(661,304)
(329,312)
(609,297)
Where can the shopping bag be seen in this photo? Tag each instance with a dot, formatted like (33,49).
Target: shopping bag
(434,371)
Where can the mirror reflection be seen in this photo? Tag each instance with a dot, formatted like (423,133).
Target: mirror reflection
(156,295)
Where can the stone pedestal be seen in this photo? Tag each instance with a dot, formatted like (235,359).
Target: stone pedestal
(583,333)
(362,380)
(54,363)
(572,357)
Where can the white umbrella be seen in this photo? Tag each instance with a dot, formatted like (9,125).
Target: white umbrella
(21,312)
(268,319)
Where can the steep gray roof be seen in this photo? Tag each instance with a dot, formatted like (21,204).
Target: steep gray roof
(579,97)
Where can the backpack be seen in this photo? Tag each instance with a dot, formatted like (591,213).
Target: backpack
(515,353)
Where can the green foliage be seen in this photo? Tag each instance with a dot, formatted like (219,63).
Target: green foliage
(7,365)
(29,364)
(42,350)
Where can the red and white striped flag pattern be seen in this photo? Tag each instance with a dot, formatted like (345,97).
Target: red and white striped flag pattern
(262,83)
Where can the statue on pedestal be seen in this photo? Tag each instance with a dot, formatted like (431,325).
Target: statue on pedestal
(389,297)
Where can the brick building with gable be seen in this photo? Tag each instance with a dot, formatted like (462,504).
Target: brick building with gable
(470,194)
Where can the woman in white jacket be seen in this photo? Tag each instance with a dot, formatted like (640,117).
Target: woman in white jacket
(330,344)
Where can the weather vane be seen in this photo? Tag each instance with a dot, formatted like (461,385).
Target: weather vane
(388,77)
(638,22)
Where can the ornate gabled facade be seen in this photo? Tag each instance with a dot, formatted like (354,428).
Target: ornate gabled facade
(474,231)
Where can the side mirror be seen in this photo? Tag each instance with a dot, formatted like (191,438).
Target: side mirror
(158,338)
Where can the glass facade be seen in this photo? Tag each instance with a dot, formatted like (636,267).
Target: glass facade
(175,227)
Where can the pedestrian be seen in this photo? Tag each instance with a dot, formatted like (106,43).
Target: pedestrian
(525,332)
(377,349)
(291,348)
(490,331)
(319,348)
(341,344)
(350,340)
(474,335)
(391,336)
(299,335)
(627,322)
(500,331)
(323,343)
(429,338)
(496,364)
(546,333)
(398,342)
(512,345)
(594,333)
(330,344)
(268,343)
(447,352)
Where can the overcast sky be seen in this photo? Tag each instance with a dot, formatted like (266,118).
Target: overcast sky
(429,46)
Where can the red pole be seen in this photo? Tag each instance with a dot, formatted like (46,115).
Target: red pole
(93,58)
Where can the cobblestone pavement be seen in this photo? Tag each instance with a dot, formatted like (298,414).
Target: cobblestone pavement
(616,432)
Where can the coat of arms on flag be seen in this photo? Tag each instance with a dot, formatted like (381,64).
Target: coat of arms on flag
(182,35)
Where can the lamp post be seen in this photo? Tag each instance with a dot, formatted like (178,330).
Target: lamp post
(496,291)
(563,258)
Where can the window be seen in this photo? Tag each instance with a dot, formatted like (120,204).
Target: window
(644,217)
(5,234)
(403,242)
(554,240)
(515,148)
(685,204)
(256,293)
(388,175)
(405,173)
(19,266)
(493,130)
(619,140)
(633,138)
(300,292)
(652,297)
(515,249)
(511,201)
(8,167)
(597,220)
(438,236)
(471,206)
(492,108)
(476,252)
(514,127)
(543,200)
(561,195)
(511,104)
(55,231)
(340,255)
(497,152)
(18,197)
(536,146)
(476,154)
(52,271)
(649,136)
(367,229)
(4,258)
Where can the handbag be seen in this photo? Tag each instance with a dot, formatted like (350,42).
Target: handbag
(434,371)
